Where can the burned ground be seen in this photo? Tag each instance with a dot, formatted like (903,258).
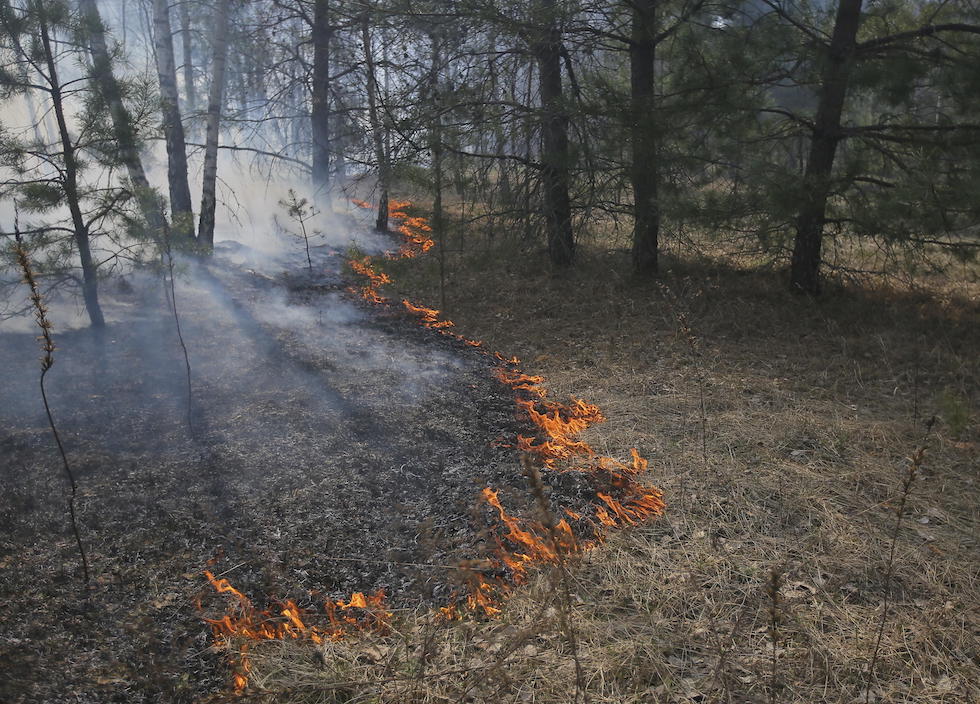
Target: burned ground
(330,442)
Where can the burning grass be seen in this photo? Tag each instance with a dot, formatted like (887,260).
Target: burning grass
(619,499)
(811,411)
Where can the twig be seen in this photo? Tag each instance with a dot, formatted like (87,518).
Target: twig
(168,253)
(47,361)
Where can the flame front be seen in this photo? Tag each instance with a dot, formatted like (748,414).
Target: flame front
(556,445)
(521,542)
(246,623)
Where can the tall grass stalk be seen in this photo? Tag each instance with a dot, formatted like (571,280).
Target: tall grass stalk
(560,574)
(47,361)
(915,464)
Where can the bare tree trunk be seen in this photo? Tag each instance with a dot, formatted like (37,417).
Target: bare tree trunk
(90,291)
(435,144)
(187,49)
(644,172)
(122,122)
(377,132)
(805,267)
(216,93)
(554,138)
(320,113)
(181,207)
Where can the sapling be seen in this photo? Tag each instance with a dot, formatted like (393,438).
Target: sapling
(301,212)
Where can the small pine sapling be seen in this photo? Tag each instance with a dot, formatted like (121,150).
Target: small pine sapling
(301,212)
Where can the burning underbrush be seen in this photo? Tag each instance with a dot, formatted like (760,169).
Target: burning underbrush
(335,450)
(609,491)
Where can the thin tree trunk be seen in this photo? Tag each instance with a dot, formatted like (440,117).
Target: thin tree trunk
(216,92)
(122,122)
(320,113)
(644,172)
(187,49)
(377,133)
(435,144)
(90,291)
(181,207)
(805,267)
(554,138)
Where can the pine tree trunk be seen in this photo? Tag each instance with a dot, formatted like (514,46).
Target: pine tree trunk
(181,207)
(644,172)
(805,267)
(90,290)
(187,49)
(320,113)
(216,93)
(554,139)
(377,133)
(122,122)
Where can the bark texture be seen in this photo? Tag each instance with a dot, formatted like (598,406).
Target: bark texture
(90,290)
(216,94)
(805,267)
(377,133)
(554,138)
(122,122)
(320,113)
(644,172)
(181,207)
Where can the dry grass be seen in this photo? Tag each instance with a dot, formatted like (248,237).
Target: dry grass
(812,410)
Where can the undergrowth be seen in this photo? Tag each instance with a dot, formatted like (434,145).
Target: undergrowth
(770,575)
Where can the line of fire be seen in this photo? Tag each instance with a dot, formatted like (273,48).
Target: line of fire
(520,542)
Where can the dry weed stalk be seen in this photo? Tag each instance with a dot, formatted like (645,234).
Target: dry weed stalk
(47,361)
(915,463)
(172,291)
(693,345)
(773,585)
(560,576)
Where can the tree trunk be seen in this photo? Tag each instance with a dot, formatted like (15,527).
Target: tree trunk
(435,145)
(644,172)
(216,93)
(90,290)
(377,133)
(320,113)
(554,138)
(187,49)
(181,207)
(805,267)
(122,122)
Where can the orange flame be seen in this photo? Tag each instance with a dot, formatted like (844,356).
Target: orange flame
(245,622)
(557,446)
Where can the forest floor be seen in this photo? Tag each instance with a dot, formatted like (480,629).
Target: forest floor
(781,431)
(333,448)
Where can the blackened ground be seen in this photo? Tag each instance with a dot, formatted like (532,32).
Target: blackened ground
(331,441)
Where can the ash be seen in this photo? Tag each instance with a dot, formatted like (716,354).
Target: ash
(334,447)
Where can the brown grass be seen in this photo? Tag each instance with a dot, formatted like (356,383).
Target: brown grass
(812,410)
